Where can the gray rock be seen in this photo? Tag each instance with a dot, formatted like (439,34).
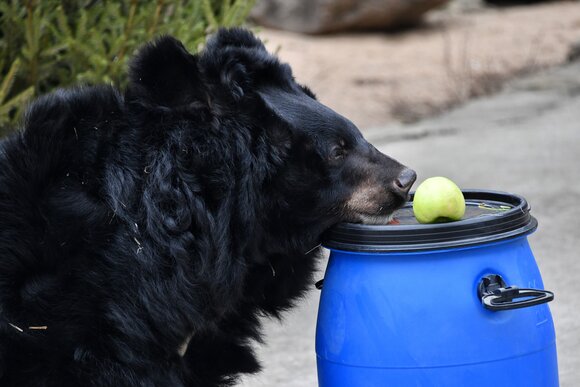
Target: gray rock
(320,16)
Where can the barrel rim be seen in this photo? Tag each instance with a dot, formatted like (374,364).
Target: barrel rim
(511,223)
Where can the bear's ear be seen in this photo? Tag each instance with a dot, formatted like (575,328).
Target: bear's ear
(164,73)
(281,105)
(229,58)
(296,109)
(234,37)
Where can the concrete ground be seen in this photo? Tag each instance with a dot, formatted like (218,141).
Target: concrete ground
(375,78)
(525,140)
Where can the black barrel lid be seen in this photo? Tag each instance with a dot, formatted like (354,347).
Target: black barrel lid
(489,216)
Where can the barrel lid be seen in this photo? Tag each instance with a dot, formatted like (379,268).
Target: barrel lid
(489,216)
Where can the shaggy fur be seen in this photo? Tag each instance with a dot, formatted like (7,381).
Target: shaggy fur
(143,235)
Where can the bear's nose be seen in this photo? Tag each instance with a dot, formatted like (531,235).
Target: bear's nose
(405,180)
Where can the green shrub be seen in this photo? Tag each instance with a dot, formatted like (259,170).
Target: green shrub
(46,44)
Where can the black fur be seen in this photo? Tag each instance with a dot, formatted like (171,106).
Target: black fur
(185,209)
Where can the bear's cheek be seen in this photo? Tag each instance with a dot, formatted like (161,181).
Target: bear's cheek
(366,199)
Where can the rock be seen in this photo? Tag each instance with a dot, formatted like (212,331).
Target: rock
(515,2)
(320,16)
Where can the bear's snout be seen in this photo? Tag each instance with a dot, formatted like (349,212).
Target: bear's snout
(404,182)
(383,186)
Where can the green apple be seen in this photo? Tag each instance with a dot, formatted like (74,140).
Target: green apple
(438,199)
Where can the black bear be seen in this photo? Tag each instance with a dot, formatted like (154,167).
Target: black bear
(143,234)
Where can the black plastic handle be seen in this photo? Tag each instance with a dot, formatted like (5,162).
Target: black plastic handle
(496,295)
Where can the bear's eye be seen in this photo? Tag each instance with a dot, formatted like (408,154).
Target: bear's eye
(337,152)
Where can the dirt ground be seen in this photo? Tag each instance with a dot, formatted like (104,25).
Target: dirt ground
(375,78)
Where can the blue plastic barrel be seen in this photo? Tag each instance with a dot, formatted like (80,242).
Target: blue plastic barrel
(443,305)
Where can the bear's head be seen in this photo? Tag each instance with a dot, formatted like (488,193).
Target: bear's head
(320,171)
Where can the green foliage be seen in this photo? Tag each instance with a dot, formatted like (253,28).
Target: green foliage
(46,44)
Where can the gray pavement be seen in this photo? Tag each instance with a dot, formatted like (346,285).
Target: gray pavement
(525,140)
